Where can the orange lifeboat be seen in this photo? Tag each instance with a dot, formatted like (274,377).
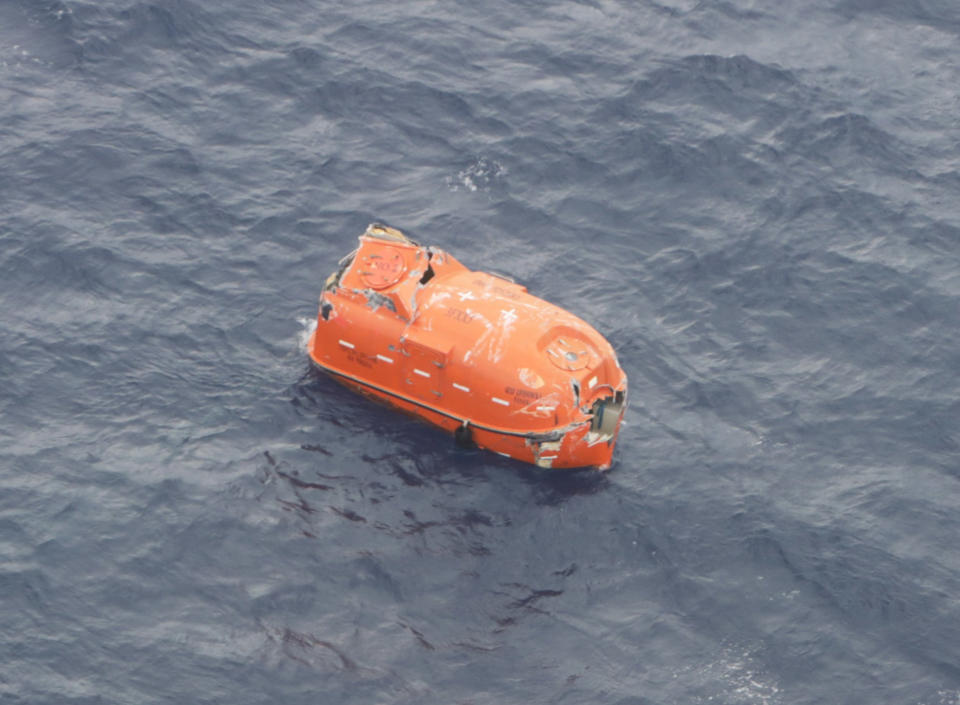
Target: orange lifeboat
(471,352)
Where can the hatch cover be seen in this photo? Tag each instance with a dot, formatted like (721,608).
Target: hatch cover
(570,354)
(382,267)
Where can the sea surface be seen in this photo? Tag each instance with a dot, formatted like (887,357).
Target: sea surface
(756,201)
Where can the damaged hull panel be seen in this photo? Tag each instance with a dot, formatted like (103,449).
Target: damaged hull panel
(471,352)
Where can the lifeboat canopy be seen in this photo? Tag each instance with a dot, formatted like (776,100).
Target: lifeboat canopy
(472,352)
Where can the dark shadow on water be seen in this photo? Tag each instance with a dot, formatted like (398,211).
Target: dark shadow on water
(553,487)
(321,396)
(424,453)
(313,387)
(392,440)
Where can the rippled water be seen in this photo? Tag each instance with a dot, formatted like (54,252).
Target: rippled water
(756,202)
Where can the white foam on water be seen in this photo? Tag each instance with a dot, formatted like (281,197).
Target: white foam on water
(478,176)
(735,679)
(307,326)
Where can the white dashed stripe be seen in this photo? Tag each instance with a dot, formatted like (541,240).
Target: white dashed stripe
(345,344)
(421,372)
(461,387)
(498,400)
(384,358)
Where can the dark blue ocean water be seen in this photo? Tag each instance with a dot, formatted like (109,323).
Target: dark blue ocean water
(757,202)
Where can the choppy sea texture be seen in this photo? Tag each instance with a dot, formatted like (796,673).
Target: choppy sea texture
(757,203)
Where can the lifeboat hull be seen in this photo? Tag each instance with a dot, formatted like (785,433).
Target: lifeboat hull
(471,352)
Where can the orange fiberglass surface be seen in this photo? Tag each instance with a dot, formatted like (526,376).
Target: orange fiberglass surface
(471,352)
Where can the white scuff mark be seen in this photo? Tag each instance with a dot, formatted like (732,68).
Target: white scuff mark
(542,407)
(530,378)
(346,344)
(478,316)
(483,342)
(592,383)
(482,345)
(466,296)
(505,327)
(530,410)
(594,437)
(413,306)
(438,296)
(461,387)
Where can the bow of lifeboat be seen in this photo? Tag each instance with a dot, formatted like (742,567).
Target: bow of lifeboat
(471,352)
